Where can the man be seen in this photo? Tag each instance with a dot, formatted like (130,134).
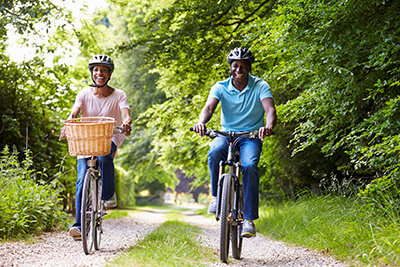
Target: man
(245,99)
(100,100)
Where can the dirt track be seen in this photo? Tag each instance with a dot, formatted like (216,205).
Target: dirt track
(58,249)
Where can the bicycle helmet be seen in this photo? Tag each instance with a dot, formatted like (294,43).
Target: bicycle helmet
(240,53)
(101,60)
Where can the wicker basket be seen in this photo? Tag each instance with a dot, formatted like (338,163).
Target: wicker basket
(89,136)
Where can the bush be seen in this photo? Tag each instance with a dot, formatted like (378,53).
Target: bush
(26,206)
(382,196)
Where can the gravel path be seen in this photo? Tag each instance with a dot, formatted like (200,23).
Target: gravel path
(259,250)
(58,249)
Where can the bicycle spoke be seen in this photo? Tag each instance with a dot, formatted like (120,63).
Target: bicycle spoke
(226,206)
(87,214)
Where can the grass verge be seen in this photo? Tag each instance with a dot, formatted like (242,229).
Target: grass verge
(174,243)
(334,225)
(117,214)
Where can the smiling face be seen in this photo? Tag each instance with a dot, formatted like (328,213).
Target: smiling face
(101,75)
(240,70)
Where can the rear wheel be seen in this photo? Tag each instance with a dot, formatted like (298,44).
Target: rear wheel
(226,207)
(88,221)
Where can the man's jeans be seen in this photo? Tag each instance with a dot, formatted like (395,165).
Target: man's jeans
(250,151)
(106,165)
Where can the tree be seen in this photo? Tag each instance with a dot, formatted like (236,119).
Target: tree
(333,68)
(35,93)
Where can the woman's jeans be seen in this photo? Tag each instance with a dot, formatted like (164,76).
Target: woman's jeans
(106,165)
(250,151)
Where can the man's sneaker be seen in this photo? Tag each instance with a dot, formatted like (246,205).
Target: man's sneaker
(248,229)
(75,232)
(212,207)
(112,202)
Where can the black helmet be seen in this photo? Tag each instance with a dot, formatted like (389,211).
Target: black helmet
(240,53)
(101,60)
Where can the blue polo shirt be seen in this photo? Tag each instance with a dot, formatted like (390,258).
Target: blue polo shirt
(241,111)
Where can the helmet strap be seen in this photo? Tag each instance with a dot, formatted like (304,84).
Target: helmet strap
(95,84)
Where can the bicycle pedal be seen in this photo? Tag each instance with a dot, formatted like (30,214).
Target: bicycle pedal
(77,238)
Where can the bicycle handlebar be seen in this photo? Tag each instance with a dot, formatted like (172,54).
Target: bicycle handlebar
(214,133)
(118,129)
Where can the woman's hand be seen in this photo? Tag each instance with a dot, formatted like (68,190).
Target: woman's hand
(127,129)
(63,133)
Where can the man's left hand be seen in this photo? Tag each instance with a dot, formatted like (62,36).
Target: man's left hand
(265,131)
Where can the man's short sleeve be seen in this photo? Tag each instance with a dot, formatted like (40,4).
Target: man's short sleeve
(215,92)
(265,91)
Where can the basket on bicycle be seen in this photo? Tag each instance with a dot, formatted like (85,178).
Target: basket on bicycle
(89,136)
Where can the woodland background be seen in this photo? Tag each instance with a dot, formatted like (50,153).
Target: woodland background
(333,67)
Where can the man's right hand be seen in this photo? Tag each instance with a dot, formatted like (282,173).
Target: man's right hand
(200,128)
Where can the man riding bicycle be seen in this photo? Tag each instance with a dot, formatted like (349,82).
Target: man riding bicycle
(245,99)
(100,100)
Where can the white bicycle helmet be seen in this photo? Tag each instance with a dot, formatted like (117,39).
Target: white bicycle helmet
(101,60)
(240,53)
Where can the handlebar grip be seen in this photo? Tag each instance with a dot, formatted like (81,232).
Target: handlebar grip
(191,129)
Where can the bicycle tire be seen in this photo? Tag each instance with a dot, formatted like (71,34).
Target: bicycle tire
(236,238)
(88,214)
(226,206)
(99,212)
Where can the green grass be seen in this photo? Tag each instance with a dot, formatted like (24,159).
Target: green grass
(174,243)
(117,214)
(334,225)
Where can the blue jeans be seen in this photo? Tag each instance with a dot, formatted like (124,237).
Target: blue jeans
(106,165)
(250,151)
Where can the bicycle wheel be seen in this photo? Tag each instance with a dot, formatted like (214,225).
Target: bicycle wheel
(88,212)
(236,230)
(226,207)
(98,214)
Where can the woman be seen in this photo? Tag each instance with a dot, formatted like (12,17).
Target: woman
(100,100)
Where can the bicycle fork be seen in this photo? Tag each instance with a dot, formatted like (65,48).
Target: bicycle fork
(234,172)
(93,165)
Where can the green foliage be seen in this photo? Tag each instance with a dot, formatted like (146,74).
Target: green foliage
(124,187)
(344,227)
(116,214)
(27,206)
(333,69)
(25,15)
(342,69)
(382,196)
(36,93)
(31,115)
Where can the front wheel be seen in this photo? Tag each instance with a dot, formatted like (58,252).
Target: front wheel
(226,216)
(98,230)
(88,211)
(236,231)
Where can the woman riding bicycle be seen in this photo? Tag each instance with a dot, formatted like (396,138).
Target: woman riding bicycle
(245,99)
(100,100)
